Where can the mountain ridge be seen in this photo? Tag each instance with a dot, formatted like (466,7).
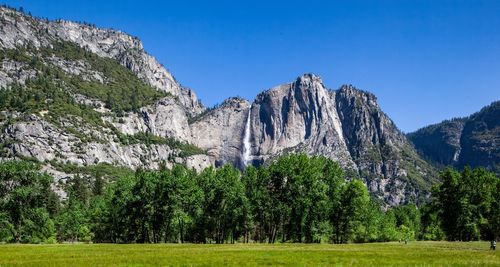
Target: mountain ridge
(304,116)
(72,112)
(472,140)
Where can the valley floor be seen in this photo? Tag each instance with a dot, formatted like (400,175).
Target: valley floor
(376,254)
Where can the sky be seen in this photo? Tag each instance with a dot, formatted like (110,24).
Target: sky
(426,61)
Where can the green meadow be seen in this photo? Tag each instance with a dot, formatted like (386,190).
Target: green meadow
(373,254)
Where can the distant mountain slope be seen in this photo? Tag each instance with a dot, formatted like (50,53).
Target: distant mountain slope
(473,141)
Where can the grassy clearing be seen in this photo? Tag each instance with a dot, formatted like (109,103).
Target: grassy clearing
(393,254)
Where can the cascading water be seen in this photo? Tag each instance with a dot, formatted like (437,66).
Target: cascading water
(246,153)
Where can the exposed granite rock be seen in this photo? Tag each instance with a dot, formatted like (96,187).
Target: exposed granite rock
(304,116)
(346,125)
(371,136)
(78,68)
(299,115)
(474,140)
(36,138)
(220,131)
(33,136)
(20,30)
(14,72)
(166,118)
(440,142)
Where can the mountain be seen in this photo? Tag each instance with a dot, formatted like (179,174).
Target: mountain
(474,140)
(82,95)
(304,116)
(80,99)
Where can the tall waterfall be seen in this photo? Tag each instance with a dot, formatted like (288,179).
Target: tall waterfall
(246,153)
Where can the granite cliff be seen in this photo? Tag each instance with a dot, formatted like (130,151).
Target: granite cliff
(303,116)
(472,141)
(76,95)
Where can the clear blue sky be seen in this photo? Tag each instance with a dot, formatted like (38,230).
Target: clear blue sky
(425,60)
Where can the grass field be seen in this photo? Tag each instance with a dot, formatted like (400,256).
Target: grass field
(393,254)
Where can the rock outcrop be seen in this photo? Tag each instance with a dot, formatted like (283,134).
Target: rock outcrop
(221,131)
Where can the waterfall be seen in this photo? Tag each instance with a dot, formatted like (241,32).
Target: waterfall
(246,153)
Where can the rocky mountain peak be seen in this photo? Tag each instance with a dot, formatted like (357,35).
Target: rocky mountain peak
(305,82)
(235,102)
(303,116)
(309,78)
(362,97)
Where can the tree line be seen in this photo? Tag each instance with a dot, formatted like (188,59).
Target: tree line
(294,199)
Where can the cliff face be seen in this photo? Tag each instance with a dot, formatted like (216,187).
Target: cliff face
(80,104)
(440,142)
(346,125)
(373,140)
(221,132)
(83,65)
(18,30)
(299,116)
(470,141)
